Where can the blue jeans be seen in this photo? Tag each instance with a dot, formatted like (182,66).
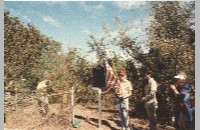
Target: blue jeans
(185,119)
(152,117)
(123,111)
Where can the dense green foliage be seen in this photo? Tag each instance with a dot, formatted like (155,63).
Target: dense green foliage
(30,55)
(24,46)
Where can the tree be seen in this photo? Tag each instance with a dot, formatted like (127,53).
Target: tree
(171,32)
(171,43)
(171,46)
(24,46)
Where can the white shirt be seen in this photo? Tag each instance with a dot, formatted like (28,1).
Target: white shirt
(42,84)
(150,93)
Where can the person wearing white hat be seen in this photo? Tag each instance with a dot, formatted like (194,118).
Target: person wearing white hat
(184,117)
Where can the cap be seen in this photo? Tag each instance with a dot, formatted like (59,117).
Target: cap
(181,75)
(49,77)
(122,72)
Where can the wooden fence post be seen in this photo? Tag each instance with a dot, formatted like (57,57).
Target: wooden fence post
(72,105)
(99,92)
(16,98)
(99,105)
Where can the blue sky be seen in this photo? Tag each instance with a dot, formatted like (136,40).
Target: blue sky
(71,23)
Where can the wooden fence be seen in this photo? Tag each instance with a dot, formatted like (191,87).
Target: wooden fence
(17,100)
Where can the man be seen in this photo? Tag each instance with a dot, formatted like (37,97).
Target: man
(43,101)
(123,90)
(151,103)
(184,111)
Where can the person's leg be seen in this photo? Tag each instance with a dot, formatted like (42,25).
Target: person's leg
(183,120)
(127,114)
(120,106)
(151,113)
(176,125)
(190,118)
(46,105)
(40,106)
(125,108)
(43,105)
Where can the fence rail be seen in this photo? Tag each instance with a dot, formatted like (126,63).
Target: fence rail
(17,101)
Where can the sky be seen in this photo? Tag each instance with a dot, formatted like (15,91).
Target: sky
(71,22)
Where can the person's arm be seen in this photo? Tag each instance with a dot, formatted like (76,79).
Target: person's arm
(153,90)
(105,90)
(174,89)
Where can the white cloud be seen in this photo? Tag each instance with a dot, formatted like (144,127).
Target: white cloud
(60,4)
(113,34)
(56,2)
(89,7)
(128,4)
(139,28)
(27,18)
(51,21)
(14,11)
(50,3)
(86,31)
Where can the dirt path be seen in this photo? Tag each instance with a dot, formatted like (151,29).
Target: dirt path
(88,117)
(29,119)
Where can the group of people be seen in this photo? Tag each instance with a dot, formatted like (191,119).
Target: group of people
(184,108)
(182,93)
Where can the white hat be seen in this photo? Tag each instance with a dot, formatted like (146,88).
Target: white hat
(181,75)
